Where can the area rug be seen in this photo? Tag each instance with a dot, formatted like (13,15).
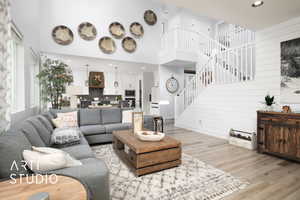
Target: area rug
(192,180)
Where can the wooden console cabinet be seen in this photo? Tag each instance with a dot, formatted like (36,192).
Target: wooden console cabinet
(279,134)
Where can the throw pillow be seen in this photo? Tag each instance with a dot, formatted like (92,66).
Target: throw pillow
(127,116)
(65,136)
(43,159)
(58,123)
(40,162)
(47,150)
(69,119)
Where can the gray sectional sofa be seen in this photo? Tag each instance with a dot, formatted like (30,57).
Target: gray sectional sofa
(96,126)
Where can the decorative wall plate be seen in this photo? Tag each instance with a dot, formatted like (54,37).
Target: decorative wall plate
(129,44)
(117,30)
(62,35)
(107,45)
(137,29)
(87,31)
(150,17)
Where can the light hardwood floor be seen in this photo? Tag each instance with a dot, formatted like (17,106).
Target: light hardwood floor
(270,178)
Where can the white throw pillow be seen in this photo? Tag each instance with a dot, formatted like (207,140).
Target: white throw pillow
(40,162)
(69,119)
(58,123)
(71,162)
(127,116)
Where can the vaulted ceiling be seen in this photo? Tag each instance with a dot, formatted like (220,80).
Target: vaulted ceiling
(241,12)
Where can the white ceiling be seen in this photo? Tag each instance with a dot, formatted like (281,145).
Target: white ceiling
(80,62)
(241,12)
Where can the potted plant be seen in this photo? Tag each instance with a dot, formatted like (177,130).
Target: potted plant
(269,101)
(54,76)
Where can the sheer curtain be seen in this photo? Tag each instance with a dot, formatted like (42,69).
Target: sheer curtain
(4,66)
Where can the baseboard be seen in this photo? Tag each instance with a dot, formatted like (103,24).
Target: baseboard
(203,131)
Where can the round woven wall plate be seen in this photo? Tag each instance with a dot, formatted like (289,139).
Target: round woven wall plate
(107,45)
(137,29)
(62,35)
(129,44)
(150,17)
(87,31)
(117,30)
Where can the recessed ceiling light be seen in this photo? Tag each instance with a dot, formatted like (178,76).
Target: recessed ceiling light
(257,4)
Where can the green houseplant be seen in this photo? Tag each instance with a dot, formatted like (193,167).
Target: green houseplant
(269,101)
(54,76)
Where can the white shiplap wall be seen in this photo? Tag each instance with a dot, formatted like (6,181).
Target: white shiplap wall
(222,107)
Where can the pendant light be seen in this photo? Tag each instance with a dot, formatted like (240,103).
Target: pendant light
(87,75)
(116,83)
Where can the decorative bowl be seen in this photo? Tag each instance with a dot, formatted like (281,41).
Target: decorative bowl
(150,136)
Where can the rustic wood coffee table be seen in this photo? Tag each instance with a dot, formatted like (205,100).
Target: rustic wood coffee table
(65,188)
(146,157)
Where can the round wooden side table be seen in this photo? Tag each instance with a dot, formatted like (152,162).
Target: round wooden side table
(64,188)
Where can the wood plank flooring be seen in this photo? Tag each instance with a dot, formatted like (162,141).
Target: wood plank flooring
(270,178)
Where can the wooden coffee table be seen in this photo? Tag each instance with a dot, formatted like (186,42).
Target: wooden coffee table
(146,157)
(65,188)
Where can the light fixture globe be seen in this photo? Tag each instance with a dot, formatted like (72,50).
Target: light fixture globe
(257,4)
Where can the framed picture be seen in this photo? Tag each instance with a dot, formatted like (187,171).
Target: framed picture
(290,72)
(96,80)
(137,121)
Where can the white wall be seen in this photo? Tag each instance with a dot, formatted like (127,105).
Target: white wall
(186,19)
(101,13)
(222,107)
(166,72)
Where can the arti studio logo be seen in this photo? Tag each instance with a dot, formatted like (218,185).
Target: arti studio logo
(19,178)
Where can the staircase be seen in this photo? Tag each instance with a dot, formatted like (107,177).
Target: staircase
(227,59)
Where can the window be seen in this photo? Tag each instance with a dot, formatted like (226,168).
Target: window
(17,71)
(34,82)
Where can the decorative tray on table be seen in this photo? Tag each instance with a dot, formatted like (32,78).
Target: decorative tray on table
(150,135)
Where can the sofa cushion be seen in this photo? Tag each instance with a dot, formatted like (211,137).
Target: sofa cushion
(42,130)
(94,174)
(111,115)
(12,144)
(99,139)
(92,129)
(115,127)
(82,139)
(31,134)
(45,122)
(90,117)
(79,151)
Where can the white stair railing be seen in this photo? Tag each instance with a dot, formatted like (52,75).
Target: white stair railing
(202,79)
(223,63)
(191,41)
(230,66)
(231,35)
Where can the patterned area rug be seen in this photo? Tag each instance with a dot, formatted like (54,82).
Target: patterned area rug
(193,180)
